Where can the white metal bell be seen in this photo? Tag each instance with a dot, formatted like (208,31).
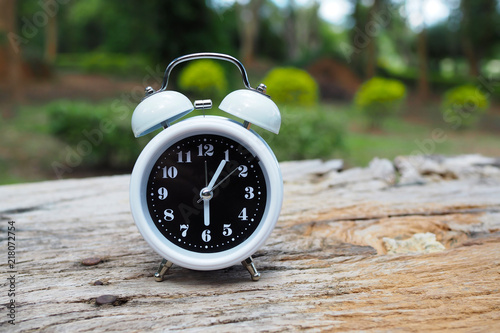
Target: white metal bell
(253,107)
(159,110)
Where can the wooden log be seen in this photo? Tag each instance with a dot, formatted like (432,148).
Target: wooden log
(325,267)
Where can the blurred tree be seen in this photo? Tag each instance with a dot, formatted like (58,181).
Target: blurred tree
(442,42)
(249,29)
(371,56)
(358,38)
(11,55)
(270,41)
(302,30)
(423,78)
(191,26)
(477,30)
(51,32)
(290,32)
(161,29)
(396,43)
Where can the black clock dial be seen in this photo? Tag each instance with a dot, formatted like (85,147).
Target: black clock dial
(226,212)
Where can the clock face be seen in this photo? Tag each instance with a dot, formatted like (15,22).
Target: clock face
(206,193)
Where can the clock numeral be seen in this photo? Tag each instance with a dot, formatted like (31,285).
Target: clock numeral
(184,229)
(205,235)
(249,192)
(243,215)
(227,231)
(169,172)
(162,193)
(180,156)
(205,150)
(168,214)
(243,171)
(226,155)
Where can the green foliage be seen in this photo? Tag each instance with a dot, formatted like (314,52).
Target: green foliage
(463,106)
(101,62)
(379,98)
(96,135)
(204,79)
(306,134)
(162,29)
(3,38)
(291,86)
(479,23)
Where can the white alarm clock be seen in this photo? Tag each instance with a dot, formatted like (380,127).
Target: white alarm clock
(206,192)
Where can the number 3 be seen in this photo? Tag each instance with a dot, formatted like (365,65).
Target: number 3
(249,192)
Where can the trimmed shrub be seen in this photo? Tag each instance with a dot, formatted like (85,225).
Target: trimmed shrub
(204,79)
(379,98)
(463,106)
(306,134)
(292,86)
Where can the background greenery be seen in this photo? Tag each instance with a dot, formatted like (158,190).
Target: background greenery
(373,84)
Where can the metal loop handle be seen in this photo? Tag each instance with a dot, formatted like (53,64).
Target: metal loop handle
(205,55)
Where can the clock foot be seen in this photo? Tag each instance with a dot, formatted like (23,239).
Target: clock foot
(162,270)
(250,266)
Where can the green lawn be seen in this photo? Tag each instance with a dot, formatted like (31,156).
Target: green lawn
(28,150)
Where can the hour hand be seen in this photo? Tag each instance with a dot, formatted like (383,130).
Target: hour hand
(206,195)
(216,174)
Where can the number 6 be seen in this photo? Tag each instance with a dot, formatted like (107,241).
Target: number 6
(205,235)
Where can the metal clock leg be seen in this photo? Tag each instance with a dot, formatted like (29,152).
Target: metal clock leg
(162,270)
(250,266)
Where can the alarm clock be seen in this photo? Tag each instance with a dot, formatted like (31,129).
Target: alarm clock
(206,192)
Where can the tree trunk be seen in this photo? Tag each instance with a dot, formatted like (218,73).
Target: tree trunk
(249,15)
(371,54)
(423,79)
(471,56)
(14,70)
(51,38)
(290,33)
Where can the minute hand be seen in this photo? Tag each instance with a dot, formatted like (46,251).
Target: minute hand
(222,181)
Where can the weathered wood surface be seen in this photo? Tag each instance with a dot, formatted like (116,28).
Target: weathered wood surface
(325,266)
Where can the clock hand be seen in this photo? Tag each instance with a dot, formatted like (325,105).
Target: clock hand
(222,181)
(206,212)
(206,193)
(206,175)
(216,175)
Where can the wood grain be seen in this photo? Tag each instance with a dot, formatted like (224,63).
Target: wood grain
(324,267)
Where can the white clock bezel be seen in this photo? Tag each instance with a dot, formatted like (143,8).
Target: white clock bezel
(195,126)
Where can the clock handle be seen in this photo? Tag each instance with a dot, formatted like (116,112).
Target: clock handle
(206,55)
